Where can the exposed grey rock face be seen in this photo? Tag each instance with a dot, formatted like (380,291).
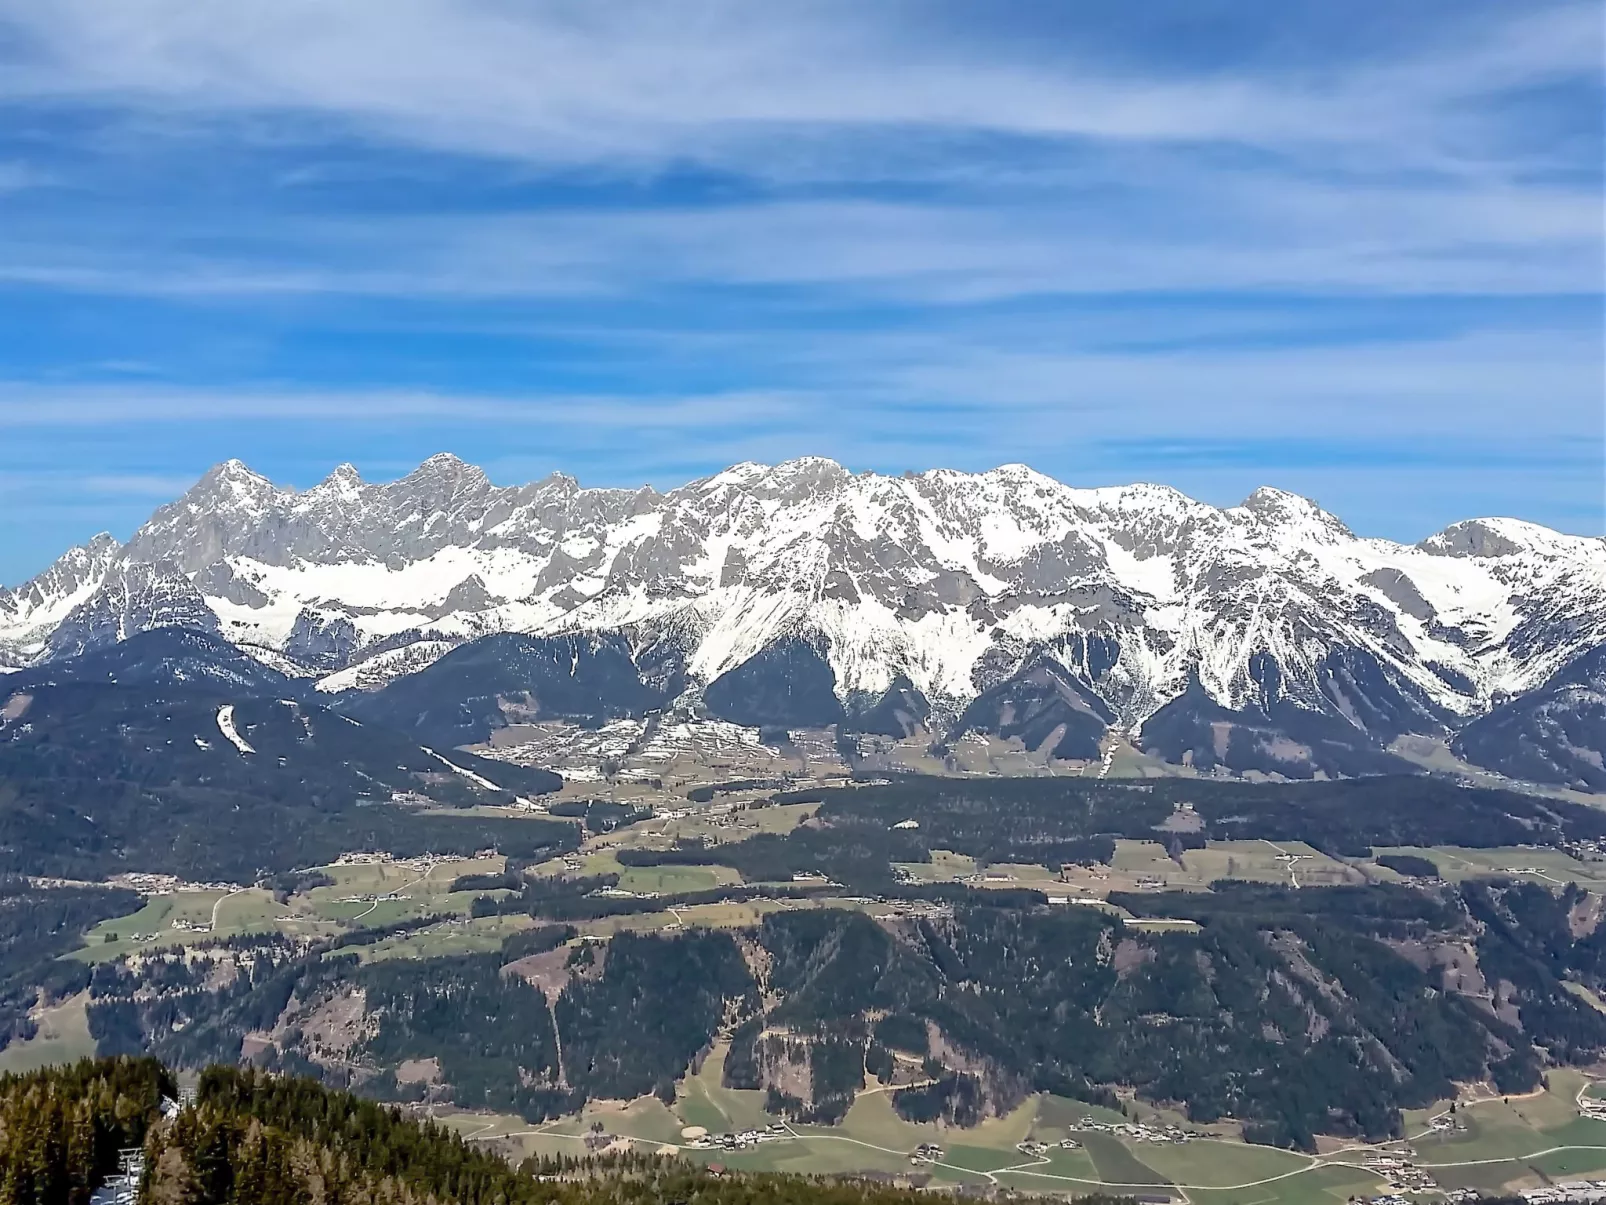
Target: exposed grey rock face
(134,597)
(1473,538)
(323,640)
(941,584)
(33,611)
(78,567)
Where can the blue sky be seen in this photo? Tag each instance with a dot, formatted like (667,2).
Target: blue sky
(1352,250)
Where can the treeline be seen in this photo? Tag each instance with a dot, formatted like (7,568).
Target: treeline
(271,1141)
(600,815)
(250,1138)
(190,1023)
(706,792)
(1411,865)
(627,1023)
(102,779)
(1042,819)
(592,897)
(849,851)
(1527,943)
(37,926)
(589,897)
(1069,1001)
(61,1128)
(1060,821)
(991,1002)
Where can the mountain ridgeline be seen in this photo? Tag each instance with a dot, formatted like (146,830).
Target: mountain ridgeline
(1261,637)
(1385,997)
(175,752)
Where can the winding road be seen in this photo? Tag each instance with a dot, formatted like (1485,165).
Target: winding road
(421,878)
(1316,1162)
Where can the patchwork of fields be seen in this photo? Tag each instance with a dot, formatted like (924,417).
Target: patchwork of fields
(1505,1146)
(1500,1144)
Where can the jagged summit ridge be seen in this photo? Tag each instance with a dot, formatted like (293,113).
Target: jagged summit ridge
(949,581)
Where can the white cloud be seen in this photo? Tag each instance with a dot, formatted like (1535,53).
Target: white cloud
(43,407)
(1388,173)
(994,396)
(1206,232)
(886,169)
(582,82)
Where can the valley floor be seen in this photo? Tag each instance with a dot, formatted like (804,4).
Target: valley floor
(1487,1144)
(1046,1145)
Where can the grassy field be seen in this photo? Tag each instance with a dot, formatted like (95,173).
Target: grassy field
(63,1037)
(676,880)
(478,936)
(1262,861)
(703,822)
(1550,867)
(1320,1186)
(1127,761)
(1506,1140)
(234,913)
(705,1101)
(1145,865)
(1056,1115)
(1118,1163)
(944,867)
(1163,925)
(1216,1164)
(737,915)
(1505,1143)
(1076,1167)
(351,902)
(872,1137)
(422,890)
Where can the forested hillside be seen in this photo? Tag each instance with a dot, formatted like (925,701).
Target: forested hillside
(255,1139)
(173,752)
(37,926)
(61,1129)
(1393,994)
(855,837)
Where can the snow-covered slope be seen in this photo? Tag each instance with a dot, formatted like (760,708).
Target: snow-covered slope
(946,581)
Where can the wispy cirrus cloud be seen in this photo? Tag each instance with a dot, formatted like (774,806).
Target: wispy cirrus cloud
(659,82)
(1048,163)
(1353,249)
(53,407)
(1305,238)
(1017,389)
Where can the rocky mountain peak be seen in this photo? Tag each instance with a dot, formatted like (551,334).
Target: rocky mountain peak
(345,479)
(1279,508)
(443,479)
(1495,538)
(232,478)
(947,581)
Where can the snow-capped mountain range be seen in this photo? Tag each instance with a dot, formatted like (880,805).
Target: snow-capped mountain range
(945,584)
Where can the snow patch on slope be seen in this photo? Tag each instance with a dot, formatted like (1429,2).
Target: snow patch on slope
(225,725)
(944,577)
